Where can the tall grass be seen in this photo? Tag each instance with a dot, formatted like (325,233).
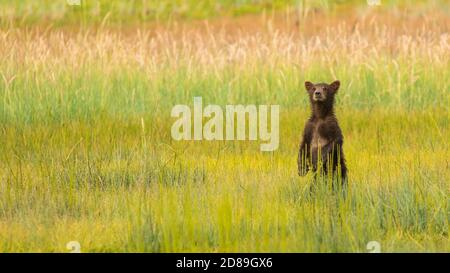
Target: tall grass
(100,12)
(86,152)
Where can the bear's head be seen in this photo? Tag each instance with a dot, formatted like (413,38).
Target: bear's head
(321,92)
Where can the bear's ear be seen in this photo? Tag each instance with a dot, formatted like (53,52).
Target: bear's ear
(334,86)
(309,86)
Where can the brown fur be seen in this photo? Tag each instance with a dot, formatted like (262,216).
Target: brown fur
(322,137)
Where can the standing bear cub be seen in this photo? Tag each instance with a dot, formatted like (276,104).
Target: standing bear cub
(321,146)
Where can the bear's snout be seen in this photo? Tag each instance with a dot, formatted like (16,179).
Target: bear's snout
(319,95)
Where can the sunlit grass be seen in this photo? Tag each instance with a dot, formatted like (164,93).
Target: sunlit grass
(117,12)
(86,153)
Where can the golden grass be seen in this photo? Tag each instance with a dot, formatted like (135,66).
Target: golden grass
(77,163)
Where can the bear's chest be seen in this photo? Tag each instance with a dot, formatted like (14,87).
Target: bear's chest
(318,139)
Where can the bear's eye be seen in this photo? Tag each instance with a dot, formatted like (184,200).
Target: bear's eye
(313,89)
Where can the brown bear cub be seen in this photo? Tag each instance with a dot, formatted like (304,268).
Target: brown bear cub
(321,146)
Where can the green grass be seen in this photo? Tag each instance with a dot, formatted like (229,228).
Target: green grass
(86,153)
(83,167)
(123,13)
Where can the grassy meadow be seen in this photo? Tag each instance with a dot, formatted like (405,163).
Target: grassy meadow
(86,152)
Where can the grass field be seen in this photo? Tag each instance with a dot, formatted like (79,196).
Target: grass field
(86,152)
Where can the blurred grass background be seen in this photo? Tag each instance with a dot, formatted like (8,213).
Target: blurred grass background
(85,146)
(59,12)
